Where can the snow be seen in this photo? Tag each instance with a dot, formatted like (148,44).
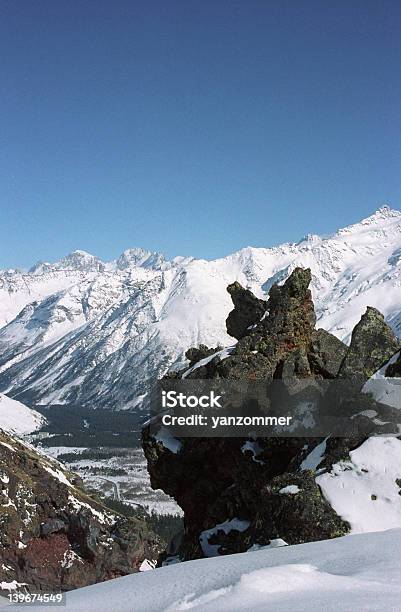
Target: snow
(55,451)
(212,550)
(290,490)
(17,418)
(11,586)
(359,572)
(95,323)
(223,354)
(147,565)
(315,457)
(58,474)
(385,389)
(276,543)
(102,517)
(8,446)
(364,490)
(68,559)
(254,448)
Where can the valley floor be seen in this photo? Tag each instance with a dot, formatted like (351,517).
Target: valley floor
(358,572)
(117,473)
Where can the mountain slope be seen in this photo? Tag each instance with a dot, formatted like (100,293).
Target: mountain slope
(98,333)
(18,419)
(53,536)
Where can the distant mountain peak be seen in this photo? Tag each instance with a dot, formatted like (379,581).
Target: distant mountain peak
(384,212)
(383,217)
(99,331)
(81,260)
(40,267)
(310,239)
(140,257)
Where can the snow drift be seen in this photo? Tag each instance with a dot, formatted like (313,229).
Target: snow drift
(359,572)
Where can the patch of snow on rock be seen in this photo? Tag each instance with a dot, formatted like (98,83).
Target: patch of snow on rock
(290,490)
(212,550)
(365,491)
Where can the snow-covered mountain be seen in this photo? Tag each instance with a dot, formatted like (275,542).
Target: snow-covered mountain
(15,418)
(84,331)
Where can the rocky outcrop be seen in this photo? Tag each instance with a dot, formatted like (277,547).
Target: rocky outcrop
(372,343)
(53,536)
(236,492)
(247,310)
(197,353)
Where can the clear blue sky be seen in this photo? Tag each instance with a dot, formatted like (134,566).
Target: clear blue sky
(193,127)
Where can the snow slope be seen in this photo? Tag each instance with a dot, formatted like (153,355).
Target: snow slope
(99,333)
(15,418)
(366,489)
(359,572)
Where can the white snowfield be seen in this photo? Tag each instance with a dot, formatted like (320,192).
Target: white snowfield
(352,574)
(93,324)
(15,418)
(366,489)
(384,389)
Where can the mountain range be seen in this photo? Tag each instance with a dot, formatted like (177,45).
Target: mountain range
(86,332)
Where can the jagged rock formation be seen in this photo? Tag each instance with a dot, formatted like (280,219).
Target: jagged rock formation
(372,341)
(52,535)
(247,310)
(266,488)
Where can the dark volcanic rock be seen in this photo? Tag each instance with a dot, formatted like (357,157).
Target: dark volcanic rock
(326,353)
(247,310)
(263,482)
(372,344)
(284,332)
(195,354)
(393,370)
(292,317)
(53,536)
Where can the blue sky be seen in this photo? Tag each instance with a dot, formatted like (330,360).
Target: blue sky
(193,127)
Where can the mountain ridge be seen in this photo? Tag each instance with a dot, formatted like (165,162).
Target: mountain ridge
(99,333)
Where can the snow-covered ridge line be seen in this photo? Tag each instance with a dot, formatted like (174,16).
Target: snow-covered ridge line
(77,329)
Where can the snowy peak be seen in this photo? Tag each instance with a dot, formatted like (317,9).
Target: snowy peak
(140,257)
(383,218)
(75,261)
(94,323)
(41,267)
(311,239)
(81,260)
(383,213)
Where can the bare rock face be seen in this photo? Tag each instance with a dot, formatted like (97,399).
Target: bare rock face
(195,354)
(247,310)
(263,486)
(53,536)
(292,316)
(326,354)
(372,344)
